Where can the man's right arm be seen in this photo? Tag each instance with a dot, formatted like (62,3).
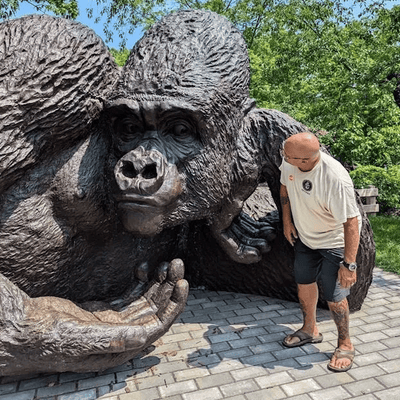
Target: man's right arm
(288,228)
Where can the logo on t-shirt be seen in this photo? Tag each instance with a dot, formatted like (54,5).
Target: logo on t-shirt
(307,185)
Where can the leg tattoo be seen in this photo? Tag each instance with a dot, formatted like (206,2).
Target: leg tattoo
(341,316)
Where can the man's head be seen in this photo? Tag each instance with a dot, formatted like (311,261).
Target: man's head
(302,151)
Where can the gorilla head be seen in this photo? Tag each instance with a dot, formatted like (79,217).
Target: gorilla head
(177,118)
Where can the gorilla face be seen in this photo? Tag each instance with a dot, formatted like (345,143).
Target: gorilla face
(161,145)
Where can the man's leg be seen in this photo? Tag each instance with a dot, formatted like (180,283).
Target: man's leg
(308,297)
(341,316)
(306,266)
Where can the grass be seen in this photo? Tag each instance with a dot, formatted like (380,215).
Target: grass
(387,238)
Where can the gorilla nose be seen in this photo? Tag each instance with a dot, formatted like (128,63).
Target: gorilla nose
(140,171)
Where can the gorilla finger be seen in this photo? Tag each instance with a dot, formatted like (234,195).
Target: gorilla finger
(248,254)
(268,232)
(176,304)
(100,339)
(162,271)
(142,272)
(176,270)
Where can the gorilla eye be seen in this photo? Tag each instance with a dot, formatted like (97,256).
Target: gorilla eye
(127,128)
(181,130)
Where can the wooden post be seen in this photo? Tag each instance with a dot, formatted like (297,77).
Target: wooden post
(370,195)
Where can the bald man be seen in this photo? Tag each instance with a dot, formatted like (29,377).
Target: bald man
(322,221)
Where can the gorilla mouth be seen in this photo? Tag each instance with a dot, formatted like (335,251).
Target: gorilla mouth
(134,202)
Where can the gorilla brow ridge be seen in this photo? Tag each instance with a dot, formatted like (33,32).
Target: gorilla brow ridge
(170,59)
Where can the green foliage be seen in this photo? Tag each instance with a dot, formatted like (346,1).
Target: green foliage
(120,56)
(387,240)
(64,8)
(386,180)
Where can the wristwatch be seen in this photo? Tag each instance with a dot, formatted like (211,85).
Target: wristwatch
(351,267)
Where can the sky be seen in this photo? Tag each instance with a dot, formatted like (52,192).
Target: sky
(26,8)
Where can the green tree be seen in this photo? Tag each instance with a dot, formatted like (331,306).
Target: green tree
(64,8)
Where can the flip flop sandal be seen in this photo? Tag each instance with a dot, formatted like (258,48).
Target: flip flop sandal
(339,353)
(303,339)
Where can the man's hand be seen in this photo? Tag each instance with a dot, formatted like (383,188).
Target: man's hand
(290,232)
(347,278)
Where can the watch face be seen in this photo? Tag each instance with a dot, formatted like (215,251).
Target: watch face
(352,267)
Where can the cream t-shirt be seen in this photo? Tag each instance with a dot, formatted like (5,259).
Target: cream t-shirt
(321,200)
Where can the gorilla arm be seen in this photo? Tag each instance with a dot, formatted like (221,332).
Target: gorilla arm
(49,334)
(258,159)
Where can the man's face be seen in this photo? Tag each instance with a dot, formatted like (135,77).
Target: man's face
(301,158)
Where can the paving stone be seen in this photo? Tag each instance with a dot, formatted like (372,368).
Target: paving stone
(248,373)
(265,347)
(83,395)
(391,342)
(332,379)
(390,380)
(214,380)
(250,332)
(223,337)
(306,372)
(236,353)
(203,361)
(225,365)
(366,359)
(37,382)
(104,391)
(281,365)
(239,387)
(206,394)
(390,366)
(258,359)
(249,341)
(389,394)
(273,380)
(274,393)
(366,372)
(300,387)
(151,381)
(28,395)
(177,388)
(370,347)
(364,386)
(288,353)
(171,366)
(55,390)
(8,388)
(242,318)
(96,381)
(148,394)
(191,373)
(365,397)
(336,393)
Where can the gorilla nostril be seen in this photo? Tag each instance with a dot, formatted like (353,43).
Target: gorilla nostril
(150,171)
(128,169)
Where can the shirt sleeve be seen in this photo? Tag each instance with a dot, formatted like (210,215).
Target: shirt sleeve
(284,173)
(343,203)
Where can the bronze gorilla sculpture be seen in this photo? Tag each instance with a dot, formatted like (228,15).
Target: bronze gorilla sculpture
(106,173)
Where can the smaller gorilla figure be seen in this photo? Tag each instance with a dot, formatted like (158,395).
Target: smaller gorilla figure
(107,173)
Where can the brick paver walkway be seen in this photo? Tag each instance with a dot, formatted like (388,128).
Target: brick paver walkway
(228,346)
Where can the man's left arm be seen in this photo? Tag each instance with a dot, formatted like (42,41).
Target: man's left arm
(351,241)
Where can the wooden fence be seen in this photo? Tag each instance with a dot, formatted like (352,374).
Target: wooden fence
(370,195)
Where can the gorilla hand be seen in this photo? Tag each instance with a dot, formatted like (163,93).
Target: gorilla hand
(246,239)
(57,335)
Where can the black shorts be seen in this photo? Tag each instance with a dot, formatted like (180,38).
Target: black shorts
(322,265)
